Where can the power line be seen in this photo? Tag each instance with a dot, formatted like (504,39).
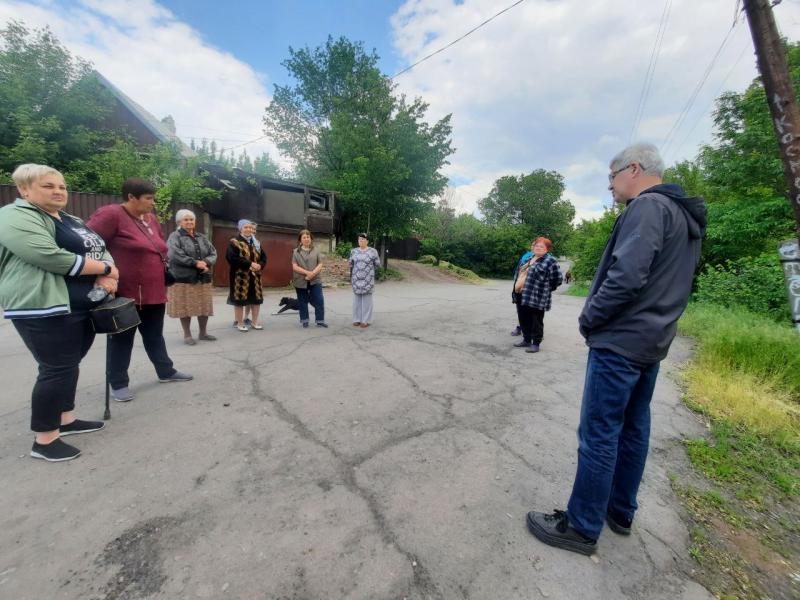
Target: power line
(687,107)
(716,95)
(473,30)
(651,69)
(443,48)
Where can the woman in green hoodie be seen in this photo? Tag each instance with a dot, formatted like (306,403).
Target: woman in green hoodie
(49,262)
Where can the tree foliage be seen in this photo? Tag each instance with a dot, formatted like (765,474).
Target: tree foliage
(589,241)
(264,164)
(534,200)
(51,108)
(52,111)
(346,130)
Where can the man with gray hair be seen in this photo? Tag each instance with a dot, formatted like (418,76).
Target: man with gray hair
(641,288)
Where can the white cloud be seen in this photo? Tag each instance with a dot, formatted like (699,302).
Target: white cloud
(161,63)
(555,85)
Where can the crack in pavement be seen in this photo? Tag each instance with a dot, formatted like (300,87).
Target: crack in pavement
(422,579)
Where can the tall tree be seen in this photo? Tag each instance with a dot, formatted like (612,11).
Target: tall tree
(346,130)
(535,200)
(50,108)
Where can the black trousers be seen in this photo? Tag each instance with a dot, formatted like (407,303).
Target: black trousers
(120,346)
(58,344)
(531,320)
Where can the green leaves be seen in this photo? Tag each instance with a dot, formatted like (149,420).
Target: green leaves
(533,200)
(346,131)
(50,106)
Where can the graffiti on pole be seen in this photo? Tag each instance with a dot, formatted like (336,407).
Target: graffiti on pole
(789,253)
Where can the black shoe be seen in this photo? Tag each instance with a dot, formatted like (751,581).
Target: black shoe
(55,451)
(555,530)
(322,324)
(532,348)
(305,323)
(522,344)
(618,523)
(176,376)
(517,331)
(78,426)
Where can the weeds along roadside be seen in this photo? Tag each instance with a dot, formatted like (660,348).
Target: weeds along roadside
(744,380)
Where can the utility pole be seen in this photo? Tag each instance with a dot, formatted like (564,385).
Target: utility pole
(786,122)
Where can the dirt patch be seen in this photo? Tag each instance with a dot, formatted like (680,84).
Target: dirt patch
(414,271)
(139,555)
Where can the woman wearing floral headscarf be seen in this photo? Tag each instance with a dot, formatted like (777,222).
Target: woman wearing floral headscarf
(247,259)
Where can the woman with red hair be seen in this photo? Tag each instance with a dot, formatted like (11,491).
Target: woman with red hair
(543,276)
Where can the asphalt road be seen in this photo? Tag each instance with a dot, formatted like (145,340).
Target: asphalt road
(392,462)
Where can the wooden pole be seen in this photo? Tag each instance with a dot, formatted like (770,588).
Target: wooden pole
(780,93)
(783,107)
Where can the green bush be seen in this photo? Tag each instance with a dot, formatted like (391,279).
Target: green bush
(343,249)
(588,242)
(388,274)
(427,259)
(753,283)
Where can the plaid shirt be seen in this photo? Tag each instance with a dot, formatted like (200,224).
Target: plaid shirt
(544,276)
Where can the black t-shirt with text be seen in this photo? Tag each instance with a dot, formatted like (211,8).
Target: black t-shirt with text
(76,237)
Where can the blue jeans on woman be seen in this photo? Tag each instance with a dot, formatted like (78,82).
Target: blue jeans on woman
(312,294)
(613,439)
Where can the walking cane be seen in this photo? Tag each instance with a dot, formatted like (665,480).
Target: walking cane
(107,413)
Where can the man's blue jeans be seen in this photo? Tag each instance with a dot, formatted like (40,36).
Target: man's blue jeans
(312,294)
(613,439)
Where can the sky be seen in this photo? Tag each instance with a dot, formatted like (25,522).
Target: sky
(550,84)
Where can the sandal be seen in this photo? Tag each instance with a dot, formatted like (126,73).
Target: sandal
(207,338)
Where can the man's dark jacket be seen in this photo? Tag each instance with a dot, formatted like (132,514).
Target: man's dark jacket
(645,277)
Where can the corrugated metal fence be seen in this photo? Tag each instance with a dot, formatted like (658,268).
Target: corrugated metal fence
(82,205)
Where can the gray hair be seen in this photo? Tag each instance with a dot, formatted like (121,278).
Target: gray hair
(26,174)
(644,154)
(182,213)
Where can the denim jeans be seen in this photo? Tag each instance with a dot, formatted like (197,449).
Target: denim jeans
(120,346)
(312,294)
(613,439)
(58,344)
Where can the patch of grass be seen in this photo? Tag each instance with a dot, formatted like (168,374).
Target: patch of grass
(752,465)
(744,380)
(747,343)
(460,272)
(579,288)
(388,274)
(427,259)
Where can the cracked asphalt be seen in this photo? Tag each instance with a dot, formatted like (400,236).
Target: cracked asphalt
(392,462)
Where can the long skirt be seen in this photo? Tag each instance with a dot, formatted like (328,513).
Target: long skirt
(190,300)
(362,308)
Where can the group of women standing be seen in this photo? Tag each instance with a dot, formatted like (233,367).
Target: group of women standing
(52,264)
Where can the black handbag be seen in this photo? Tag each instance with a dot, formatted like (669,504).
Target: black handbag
(115,315)
(169,276)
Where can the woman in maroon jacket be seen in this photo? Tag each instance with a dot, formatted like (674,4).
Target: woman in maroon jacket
(133,236)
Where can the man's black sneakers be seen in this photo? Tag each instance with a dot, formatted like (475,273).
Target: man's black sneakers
(78,426)
(555,530)
(618,523)
(55,451)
